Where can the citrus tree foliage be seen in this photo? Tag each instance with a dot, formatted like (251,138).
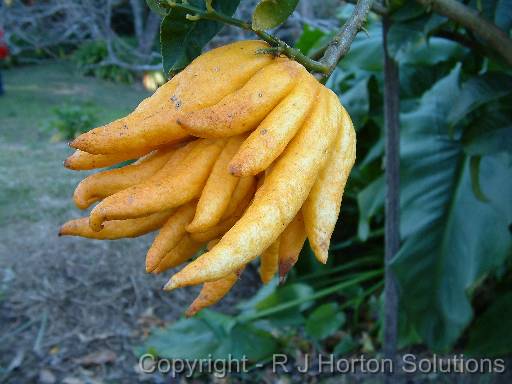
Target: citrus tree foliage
(455,157)
(456,210)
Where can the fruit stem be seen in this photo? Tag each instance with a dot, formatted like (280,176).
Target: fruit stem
(280,46)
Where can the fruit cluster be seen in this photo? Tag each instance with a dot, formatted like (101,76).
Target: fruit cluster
(242,152)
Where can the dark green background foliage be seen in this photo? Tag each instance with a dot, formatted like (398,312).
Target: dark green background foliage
(88,57)
(456,207)
(182,40)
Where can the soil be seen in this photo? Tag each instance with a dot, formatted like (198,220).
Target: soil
(71,309)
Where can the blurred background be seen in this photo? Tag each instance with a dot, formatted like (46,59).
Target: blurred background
(82,311)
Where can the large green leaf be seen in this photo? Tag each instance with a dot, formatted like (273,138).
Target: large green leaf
(365,52)
(490,131)
(499,11)
(182,40)
(503,14)
(490,336)
(324,321)
(357,101)
(271,13)
(247,340)
(210,335)
(370,200)
(156,7)
(451,238)
(477,91)
(309,39)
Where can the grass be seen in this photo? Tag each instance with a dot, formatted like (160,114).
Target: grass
(34,183)
(82,287)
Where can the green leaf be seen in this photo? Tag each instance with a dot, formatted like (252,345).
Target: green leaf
(308,39)
(324,321)
(370,200)
(210,335)
(365,53)
(287,293)
(271,295)
(357,101)
(345,346)
(246,340)
(184,339)
(402,36)
(155,6)
(490,335)
(478,91)
(492,141)
(474,165)
(271,13)
(451,238)
(490,129)
(182,40)
(409,43)
(405,10)
(503,14)
(265,291)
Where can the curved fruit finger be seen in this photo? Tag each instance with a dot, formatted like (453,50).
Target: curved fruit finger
(100,185)
(183,184)
(276,202)
(245,186)
(244,109)
(204,82)
(218,190)
(269,262)
(322,206)
(212,243)
(170,235)
(83,161)
(268,141)
(291,241)
(223,226)
(115,229)
(212,292)
(184,250)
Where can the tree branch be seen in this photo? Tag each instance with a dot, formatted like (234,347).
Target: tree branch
(392,208)
(279,46)
(376,7)
(469,18)
(342,41)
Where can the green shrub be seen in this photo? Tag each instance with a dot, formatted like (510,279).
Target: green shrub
(88,55)
(70,120)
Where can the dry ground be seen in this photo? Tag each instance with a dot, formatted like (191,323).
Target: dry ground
(66,302)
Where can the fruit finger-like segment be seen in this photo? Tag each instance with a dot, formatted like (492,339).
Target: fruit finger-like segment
(322,206)
(268,141)
(183,184)
(115,229)
(170,235)
(184,250)
(245,186)
(222,227)
(212,292)
(211,244)
(218,190)
(203,83)
(269,262)
(83,161)
(100,185)
(176,158)
(276,202)
(291,241)
(244,109)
